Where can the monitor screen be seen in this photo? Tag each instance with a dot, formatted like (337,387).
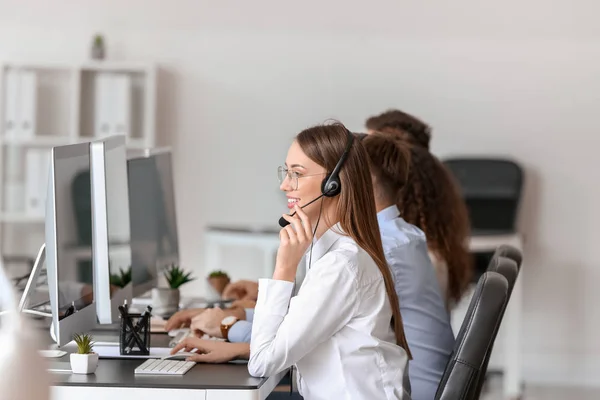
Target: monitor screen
(73,207)
(117,209)
(110,213)
(153,224)
(169,244)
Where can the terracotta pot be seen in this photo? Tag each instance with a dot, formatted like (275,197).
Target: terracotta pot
(219,283)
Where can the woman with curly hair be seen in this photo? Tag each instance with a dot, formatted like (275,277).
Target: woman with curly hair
(431,200)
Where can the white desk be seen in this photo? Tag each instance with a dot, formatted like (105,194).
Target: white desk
(115,380)
(221,238)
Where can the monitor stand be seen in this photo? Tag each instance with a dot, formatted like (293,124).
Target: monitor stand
(31,284)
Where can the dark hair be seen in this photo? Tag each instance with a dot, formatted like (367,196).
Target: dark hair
(432,201)
(324,144)
(389,162)
(408,127)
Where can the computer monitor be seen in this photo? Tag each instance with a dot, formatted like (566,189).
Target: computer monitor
(68,232)
(111,233)
(154,239)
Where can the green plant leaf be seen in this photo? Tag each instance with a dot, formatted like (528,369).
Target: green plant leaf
(176,276)
(217,274)
(84,342)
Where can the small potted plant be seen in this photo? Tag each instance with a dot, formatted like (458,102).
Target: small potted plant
(121,279)
(166,300)
(85,361)
(218,280)
(98,48)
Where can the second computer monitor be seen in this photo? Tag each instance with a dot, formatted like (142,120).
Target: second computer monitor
(69,242)
(153,220)
(111,238)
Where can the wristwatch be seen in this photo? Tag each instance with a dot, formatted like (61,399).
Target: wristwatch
(226,324)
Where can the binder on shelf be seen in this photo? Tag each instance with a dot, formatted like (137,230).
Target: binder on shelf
(121,85)
(113,97)
(27,104)
(13,197)
(37,162)
(102,105)
(11,100)
(21,104)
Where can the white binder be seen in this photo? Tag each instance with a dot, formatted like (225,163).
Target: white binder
(21,104)
(113,98)
(27,101)
(37,164)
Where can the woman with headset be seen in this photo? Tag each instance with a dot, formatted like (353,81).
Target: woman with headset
(343,330)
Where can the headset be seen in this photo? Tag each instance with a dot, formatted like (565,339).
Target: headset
(331,185)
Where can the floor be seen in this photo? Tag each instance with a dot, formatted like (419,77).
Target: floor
(493,391)
(532,392)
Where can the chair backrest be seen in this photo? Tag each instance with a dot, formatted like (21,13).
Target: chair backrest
(507,268)
(506,261)
(476,336)
(509,252)
(81,195)
(492,191)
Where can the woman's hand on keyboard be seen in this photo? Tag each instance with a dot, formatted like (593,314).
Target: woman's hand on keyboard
(182,319)
(213,351)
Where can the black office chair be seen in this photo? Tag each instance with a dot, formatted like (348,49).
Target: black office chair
(467,363)
(491,188)
(492,191)
(509,252)
(508,268)
(82,208)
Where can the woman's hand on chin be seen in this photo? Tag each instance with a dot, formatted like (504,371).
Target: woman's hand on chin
(294,241)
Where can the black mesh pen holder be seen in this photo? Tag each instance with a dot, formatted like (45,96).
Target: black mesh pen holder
(134,335)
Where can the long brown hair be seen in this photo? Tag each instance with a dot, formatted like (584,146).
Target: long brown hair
(324,144)
(410,127)
(432,201)
(389,161)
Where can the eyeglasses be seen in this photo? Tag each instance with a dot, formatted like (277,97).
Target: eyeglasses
(293,176)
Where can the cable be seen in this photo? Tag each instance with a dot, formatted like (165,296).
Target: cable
(314,233)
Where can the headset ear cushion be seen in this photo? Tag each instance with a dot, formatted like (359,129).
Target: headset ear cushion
(331,187)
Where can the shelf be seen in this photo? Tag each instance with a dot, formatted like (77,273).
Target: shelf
(23,218)
(53,141)
(116,66)
(109,66)
(39,141)
(136,144)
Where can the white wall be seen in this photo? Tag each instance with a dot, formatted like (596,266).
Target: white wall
(241,78)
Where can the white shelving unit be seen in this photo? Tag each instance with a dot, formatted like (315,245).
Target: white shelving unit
(43,105)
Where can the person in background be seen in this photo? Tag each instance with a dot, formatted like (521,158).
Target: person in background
(343,330)
(210,320)
(408,127)
(426,320)
(431,200)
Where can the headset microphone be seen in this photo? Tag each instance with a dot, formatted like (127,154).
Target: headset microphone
(283,222)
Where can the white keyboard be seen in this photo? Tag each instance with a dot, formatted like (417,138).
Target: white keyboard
(164,367)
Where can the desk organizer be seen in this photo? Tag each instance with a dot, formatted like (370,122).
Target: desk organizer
(134,335)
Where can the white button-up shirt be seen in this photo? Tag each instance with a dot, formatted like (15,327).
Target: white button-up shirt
(337,330)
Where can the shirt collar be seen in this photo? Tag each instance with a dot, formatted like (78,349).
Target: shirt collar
(388,214)
(322,246)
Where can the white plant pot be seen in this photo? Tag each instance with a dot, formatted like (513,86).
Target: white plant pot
(165,301)
(84,363)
